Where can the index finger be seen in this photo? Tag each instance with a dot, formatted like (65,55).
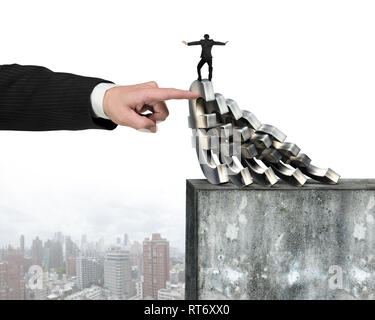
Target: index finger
(162,94)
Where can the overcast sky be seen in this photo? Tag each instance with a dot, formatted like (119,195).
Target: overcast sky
(306,67)
(77,182)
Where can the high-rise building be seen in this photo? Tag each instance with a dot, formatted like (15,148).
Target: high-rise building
(89,272)
(71,253)
(71,249)
(100,246)
(70,267)
(3,280)
(59,237)
(126,240)
(56,259)
(155,265)
(46,258)
(37,252)
(83,242)
(117,273)
(15,274)
(22,244)
(136,257)
(27,263)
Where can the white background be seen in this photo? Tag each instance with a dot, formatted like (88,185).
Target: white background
(307,67)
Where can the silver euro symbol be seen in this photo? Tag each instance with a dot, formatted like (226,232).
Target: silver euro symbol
(233,145)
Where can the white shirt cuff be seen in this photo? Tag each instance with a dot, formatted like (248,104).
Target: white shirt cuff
(97,96)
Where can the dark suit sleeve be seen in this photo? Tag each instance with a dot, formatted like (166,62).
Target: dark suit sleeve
(218,43)
(193,43)
(34,98)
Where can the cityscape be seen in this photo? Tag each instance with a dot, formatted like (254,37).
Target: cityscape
(63,269)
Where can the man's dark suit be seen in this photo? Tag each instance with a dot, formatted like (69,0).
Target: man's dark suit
(34,98)
(206,55)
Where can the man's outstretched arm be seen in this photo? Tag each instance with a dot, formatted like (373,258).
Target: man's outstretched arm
(193,43)
(218,43)
(34,98)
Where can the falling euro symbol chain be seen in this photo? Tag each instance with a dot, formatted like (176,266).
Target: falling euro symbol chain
(232,145)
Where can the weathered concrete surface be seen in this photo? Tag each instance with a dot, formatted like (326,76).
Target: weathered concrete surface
(284,242)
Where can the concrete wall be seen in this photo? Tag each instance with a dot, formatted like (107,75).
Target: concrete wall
(284,242)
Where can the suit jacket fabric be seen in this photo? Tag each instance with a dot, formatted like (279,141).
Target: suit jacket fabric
(206,46)
(34,98)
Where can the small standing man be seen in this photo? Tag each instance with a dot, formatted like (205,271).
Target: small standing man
(206,56)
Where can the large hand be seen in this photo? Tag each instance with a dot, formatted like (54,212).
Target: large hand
(124,105)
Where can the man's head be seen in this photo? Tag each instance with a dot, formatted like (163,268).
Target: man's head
(206,36)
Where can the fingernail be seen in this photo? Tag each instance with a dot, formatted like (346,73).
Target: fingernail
(145,130)
(149,130)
